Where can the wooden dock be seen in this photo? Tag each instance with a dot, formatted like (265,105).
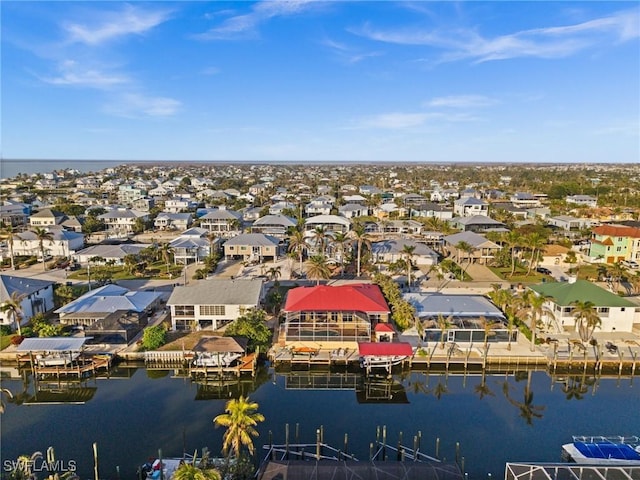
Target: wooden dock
(246,364)
(84,365)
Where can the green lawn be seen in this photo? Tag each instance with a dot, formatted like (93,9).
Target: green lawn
(156,270)
(520,275)
(5,341)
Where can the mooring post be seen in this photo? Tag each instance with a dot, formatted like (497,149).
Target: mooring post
(346,443)
(384,442)
(161,467)
(297,433)
(458,453)
(415,448)
(318,444)
(371,451)
(437,447)
(286,440)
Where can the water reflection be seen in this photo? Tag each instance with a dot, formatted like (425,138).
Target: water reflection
(531,412)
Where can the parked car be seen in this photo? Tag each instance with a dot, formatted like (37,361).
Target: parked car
(543,270)
(630,264)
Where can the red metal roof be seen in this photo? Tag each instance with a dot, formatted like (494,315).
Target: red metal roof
(363,297)
(384,349)
(383,327)
(617,231)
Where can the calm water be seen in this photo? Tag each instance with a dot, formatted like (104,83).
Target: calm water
(132,416)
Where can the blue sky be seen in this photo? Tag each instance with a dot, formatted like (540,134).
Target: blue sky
(311,81)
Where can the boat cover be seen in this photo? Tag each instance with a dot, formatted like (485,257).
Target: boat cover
(619,451)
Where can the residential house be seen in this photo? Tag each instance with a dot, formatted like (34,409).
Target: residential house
(254,247)
(108,253)
(281,206)
(331,224)
(582,200)
(432,209)
(320,205)
(212,304)
(222,222)
(193,246)
(46,218)
(122,221)
(14,213)
(617,314)
(615,243)
(569,223)
(63,243)
(390,251)
(354,199)
(36,297)
(400,227)
(179,204)
(173,221)
(128,194)
(329,317)
(444,195)
(110,314)
(275,225)
(353,210)
(482,250)
(467,316)
(525,200)
(470,206)
(477,223)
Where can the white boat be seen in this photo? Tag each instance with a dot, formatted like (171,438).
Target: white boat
(57,359)
(216,359)
(603,450)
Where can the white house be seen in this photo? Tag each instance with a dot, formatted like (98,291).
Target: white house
(223,222)
(122,221)
(37,297)
(617,314)
(470,206)
(212,304)
(389,251)
(582,200)
(63,243)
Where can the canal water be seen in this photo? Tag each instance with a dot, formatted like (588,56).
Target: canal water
(523,416)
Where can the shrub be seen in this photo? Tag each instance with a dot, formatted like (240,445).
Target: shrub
(154,337)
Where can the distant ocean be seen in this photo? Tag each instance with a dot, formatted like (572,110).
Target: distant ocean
(11,168)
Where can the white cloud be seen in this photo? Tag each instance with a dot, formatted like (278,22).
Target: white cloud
(128,21)
(348,54)
(134,105)
(246,25)
(462,101)
(395,120)
(73,74)
(549,42)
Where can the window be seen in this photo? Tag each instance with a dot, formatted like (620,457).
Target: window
(184,310)
(212,310)
(347,317)
(603,309)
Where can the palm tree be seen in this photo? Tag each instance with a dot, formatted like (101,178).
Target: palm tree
(341,240)
(528,410)
(211,236)
(360,237)
(42,235)
(190,471)
(320,239)
(408,251)
(298,244)
(488,326)
(240,419)
(536,309)
(166,251)
(444,324)
(587,318)
(513,240)
(317,268)
(617,272)
(13,308)
(467,248)
(11,235)
(274,273)
(535,242)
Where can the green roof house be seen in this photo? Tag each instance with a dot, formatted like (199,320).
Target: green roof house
(617,314)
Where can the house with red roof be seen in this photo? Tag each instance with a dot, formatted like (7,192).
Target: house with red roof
(329,317)
(615,243)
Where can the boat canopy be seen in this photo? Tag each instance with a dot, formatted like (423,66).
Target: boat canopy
(52,344)
(607,450)
(385,349)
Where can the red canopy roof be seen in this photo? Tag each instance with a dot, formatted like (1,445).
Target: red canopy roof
(363,297)
(383,327)
(385,349)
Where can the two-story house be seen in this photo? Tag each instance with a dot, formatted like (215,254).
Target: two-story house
(223,222)
(470,206)
(617,314)
(615,243)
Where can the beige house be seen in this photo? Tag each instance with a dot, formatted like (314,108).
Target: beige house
(254,247)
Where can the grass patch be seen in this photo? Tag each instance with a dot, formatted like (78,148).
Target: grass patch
(520,275)
(5,341)
(156,271)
